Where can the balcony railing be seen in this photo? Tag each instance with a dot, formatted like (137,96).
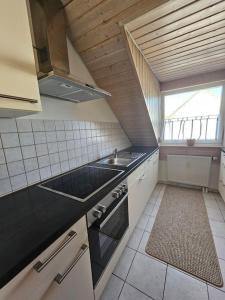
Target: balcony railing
(199,127)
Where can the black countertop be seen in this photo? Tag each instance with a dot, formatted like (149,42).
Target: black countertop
(33,218)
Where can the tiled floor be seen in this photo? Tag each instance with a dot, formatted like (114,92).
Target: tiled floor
(138,276)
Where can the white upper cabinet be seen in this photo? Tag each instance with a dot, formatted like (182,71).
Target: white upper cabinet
(19,92)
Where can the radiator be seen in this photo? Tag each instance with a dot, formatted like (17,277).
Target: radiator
(187,169)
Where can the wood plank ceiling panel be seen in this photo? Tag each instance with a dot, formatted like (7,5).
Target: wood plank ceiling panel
(94,27)
(184,40)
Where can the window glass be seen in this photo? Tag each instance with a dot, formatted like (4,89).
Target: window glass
(194,114)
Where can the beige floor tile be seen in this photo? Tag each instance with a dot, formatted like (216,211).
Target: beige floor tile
(215,294)
(214,214)
(135,238)
(218,228)
(143,242)
(220,246)
(149,208)
(183,287)
(142,222)
(150,223)
(222,268)
(148,276)
(210,201)
(123,266)
(130,293)
(113,289)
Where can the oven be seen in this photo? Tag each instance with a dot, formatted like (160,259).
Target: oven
(107,223)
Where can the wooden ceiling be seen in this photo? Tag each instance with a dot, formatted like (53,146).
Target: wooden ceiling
(182,38)
(94,28)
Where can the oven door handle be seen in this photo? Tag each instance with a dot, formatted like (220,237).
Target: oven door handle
(112,212)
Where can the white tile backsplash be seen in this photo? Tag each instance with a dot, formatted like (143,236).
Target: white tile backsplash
(26,138)
(28,151)
(5,186)
(10,140)
(8,125)
(24,125)
(18,181)
(2,157)
(13,154)
(16,168)
(3,171)
(35,150)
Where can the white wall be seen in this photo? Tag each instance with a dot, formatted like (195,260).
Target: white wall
(95,110)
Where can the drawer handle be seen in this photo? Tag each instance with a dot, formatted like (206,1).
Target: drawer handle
(39,266)
(60,277)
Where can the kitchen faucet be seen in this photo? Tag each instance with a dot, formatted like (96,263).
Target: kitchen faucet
(115,153)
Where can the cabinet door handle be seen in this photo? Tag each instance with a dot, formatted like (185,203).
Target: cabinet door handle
(60,277)
(40,265)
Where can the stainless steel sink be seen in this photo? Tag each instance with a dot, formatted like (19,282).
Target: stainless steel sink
(123,159)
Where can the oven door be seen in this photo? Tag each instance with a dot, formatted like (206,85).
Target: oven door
(105,235)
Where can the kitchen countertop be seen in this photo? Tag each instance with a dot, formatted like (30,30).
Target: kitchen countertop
(33,218)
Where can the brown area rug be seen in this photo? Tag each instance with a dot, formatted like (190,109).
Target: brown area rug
(182,237)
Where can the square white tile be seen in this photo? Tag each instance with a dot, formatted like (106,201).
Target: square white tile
(214,214)
(220,246)
(26,138)
(183,287)
(143,243)
(215,294)
(142,223)
(218,228)
(5,185)
(112,289)
(147,275)
(130,293)
(24,125)
(18,181)
(10,140)
(123,266)
(16,168)
(150,224)
(135,238)
(13,154)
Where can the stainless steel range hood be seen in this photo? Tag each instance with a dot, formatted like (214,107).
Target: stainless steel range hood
(50,38)
(67,88)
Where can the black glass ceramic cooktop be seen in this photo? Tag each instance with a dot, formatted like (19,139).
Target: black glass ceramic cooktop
(82,183)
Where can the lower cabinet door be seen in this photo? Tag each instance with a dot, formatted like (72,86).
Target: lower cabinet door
(75,281)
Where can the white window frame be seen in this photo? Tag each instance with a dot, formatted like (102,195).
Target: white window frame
(219,140)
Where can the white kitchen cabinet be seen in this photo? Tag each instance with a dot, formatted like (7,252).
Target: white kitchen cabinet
(155,167)
(19,92)
(141,183)
(222,175)
(36,285)
(76,280)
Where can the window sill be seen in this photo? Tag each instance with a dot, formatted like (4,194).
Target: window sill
(195,146)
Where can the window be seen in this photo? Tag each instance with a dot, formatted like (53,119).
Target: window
(193,115)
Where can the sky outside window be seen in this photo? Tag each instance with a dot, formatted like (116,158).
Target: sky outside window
(192,114)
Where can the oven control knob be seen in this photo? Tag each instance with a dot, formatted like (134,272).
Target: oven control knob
(115,194)
(102,208)
(119,191)
(124,188)
(97,213)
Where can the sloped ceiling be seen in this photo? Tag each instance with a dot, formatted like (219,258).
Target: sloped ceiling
(94,28)
(182,38)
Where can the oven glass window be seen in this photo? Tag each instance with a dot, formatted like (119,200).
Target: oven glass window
(104,238)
